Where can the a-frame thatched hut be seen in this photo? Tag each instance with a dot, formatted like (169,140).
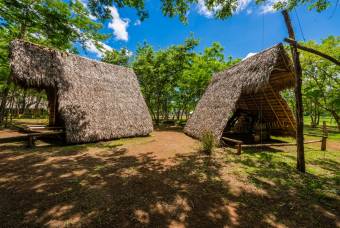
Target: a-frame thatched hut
(92,100)
(246,98)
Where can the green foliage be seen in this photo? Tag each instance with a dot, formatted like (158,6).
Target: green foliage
(207,143)
(173,79)
(100,8)
(180,8)
(52,23)
(159,73)
(120,58)
(321,81)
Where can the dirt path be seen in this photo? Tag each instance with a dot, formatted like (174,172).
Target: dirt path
(157,181)
(164,145)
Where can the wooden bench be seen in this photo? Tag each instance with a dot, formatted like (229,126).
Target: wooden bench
(29,137)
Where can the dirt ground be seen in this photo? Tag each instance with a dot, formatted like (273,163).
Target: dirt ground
(156,181)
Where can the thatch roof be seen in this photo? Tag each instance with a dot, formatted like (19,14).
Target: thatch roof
(253,84)
(96,101)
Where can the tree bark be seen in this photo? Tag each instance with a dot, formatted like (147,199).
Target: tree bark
(298,96)
(336,118)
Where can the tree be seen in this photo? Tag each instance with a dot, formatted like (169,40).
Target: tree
(195,79)
(115,57)
(180,8)
(173,79)
(52,23)
(159,72)
(321,79)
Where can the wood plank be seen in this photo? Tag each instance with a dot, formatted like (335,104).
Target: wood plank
(232,140)
(27,136)
(277,144)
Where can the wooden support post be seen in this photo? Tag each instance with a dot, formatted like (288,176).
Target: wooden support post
(324,137)
(298,96)
(239,149)
(31,141)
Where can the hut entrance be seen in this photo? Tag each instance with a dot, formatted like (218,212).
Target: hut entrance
(246,126)
(54,119)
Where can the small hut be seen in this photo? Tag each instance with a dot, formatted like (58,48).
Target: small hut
(244,101)
(91,100)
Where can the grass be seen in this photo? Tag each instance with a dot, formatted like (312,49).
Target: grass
(273,171)
(329,121)
(98,184)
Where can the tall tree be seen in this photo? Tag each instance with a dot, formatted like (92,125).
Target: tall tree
(321,78)
(159,72)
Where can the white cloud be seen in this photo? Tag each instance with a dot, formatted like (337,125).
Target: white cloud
(242,5)
(137,22)
(119,25)
(203,10)
(84,3)
(91,47)
(93,18)
(268,7)
(250,54)
(249,11)
(129,53)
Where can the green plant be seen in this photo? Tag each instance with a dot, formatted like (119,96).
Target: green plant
(207,142)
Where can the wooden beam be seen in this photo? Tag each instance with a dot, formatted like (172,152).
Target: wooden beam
(238,144)
(278,144)
(284,109)
(232,140)
(272,109)
(311,50)
(29,136)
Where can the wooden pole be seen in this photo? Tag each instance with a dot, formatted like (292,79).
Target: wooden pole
(239,149)
(324,137)
(298,96)
(311,50)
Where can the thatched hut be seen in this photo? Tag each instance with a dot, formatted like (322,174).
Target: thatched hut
(245,99)
(91,100)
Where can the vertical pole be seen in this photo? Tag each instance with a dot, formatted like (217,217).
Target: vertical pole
(324,137)
(298,96)
(239,148)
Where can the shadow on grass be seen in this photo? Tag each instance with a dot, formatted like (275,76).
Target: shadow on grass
(299,193)
(48,187)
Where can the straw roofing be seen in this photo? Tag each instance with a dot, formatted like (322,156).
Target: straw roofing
(252,85)
(96,101)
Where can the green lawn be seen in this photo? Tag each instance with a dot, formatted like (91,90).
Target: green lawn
(329,121)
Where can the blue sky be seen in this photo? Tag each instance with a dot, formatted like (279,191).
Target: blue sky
(251,29)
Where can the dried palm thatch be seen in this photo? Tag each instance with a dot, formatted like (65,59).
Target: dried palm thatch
(253,85)
(95,101)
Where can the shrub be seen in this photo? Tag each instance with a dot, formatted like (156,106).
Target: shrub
(207,143)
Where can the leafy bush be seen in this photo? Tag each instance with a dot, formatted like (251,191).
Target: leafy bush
(207,143)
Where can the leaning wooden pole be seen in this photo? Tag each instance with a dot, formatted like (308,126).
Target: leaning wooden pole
(311,50)
(298,96)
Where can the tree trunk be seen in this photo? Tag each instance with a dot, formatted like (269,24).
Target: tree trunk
(4,96)
(336,118)
(23,104)
(298,96)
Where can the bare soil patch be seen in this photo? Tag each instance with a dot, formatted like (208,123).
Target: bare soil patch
(160,181)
